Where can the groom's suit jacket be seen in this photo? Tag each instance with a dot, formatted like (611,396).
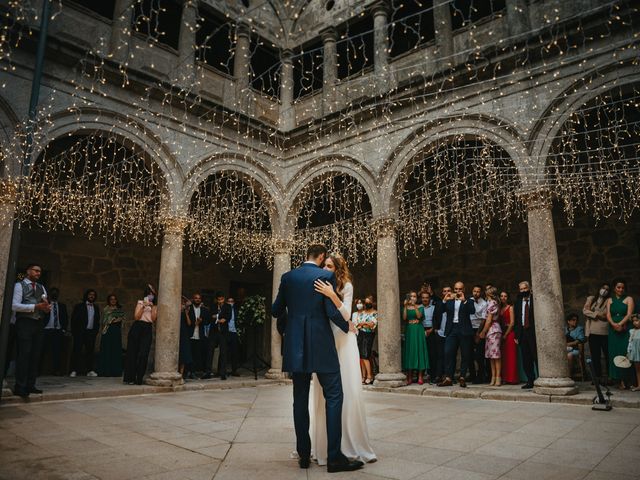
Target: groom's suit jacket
(309,345)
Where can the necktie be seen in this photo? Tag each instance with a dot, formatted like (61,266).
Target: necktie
(526,313)
(56,323)
(33,285)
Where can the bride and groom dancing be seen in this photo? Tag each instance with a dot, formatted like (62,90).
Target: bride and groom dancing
(313,308)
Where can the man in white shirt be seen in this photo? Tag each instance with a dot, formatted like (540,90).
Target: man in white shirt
(85,323)
(30,305)
(478,364)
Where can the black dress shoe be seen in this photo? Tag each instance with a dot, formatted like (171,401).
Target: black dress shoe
(223,377)
(527,386)
(462,382)
(35,390)
(21,393)
(206,376)
(235,374)
(344,466)
(304,462)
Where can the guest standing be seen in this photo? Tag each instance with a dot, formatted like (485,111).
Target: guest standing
(185,359)
(440,326)
(139,338)
(199,317)
(633,350)
(458,333)
(415,345)
(228,315)
(110,356)
(365,320)
(492,332)
(574,335)
(478,362)
(597,329)
(54,330)
(509,347)
(30,305)
(619,311)
(85,323)
(525,328)
(218,338)
(427,308)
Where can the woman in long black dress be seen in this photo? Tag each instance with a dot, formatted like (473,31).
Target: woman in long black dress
(110,358)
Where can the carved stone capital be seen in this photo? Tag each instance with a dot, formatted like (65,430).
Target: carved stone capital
(243,29)
(379,8)
(174,224)
(281,245)
(384,226)
(329,35)
(539,199)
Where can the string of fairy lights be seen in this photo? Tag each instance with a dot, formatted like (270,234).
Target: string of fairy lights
(96,182)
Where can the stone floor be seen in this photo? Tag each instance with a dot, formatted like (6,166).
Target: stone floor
(247,433)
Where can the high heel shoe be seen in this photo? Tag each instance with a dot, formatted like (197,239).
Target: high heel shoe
(498,382)
(493,382)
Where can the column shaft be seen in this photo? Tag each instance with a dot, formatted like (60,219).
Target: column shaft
(547,300)
(281,265)
(329,69)
(388,312)
(444,33)
(517,17)
(242,58)
(169,297)
(186,44)
(120,30)
(287,113)
(381,44)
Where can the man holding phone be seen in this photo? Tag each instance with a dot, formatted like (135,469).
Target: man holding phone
(458,334)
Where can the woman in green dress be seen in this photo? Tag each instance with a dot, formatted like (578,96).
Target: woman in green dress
(619,311)
(415,343)
(110,359)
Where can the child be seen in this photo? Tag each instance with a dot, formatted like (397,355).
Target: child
(633,350)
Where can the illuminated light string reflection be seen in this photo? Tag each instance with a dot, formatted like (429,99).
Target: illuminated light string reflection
(456,187)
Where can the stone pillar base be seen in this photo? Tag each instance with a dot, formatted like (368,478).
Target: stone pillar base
(555,386)
(165,379)
(392,380)
(275,374)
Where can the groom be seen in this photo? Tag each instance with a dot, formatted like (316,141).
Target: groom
(309,347)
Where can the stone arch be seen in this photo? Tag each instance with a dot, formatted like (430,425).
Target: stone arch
(495,130)
(598,81)
(251,171)
(139,138)
(341,164)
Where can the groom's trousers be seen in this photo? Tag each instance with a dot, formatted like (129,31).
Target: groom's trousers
(332,391)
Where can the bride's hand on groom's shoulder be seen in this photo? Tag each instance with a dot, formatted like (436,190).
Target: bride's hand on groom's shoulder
(324,288)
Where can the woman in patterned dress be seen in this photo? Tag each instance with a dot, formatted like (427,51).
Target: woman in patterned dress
(493,334)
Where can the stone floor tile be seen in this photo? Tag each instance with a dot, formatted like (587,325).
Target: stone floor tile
(530,470)
(483,464)
(447,473)
(396,468)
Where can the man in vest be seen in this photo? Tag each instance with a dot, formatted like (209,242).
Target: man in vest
(30,306)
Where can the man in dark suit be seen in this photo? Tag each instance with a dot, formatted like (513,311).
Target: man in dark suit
(309,347)
(218,329)
(228,316)
(525,329)
(439,324)
(85,323)
(458,334)
(54,330)
(198,319)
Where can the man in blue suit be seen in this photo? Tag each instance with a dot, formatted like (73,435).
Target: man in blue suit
(458,334)
(309,347)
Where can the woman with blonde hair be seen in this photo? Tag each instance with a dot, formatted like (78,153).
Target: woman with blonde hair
(355,437)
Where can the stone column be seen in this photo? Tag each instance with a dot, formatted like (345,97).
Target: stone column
(390,364)
(242,57)
(517,17)
(8,194)
(380,13)
(547,297)
(443,33)
(281,265)
(186,44)
(169,296)
(287,113)
(121,30)
(329,69)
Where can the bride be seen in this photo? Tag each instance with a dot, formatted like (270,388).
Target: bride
(355,438)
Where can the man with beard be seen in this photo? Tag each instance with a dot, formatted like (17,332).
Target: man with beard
(525,330)
(218,338)
(440,325)
(478,362)
(198,316)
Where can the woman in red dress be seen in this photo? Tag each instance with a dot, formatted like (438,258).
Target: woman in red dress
(509,347)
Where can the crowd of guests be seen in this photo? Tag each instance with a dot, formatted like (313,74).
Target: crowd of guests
(41,322)
(495,338)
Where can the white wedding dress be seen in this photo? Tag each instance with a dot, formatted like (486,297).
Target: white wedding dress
(355,437)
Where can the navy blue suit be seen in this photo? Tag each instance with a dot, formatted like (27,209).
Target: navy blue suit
(309,347)
(458,335)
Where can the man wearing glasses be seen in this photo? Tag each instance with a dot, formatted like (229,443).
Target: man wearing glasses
(30,306)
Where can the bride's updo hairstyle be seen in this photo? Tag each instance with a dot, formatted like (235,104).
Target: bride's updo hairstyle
(343,275)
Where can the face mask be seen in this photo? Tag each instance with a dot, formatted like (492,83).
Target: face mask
(525,294)
(603,292)
(368,305)
(150,297)
(359,306)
